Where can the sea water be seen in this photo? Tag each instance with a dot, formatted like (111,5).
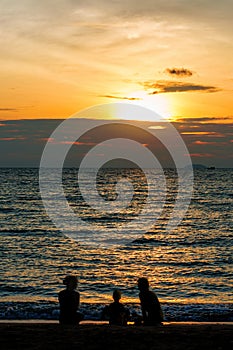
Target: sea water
(190,268)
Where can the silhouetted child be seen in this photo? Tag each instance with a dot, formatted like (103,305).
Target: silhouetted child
(151,310)
(69,300)
(116,312)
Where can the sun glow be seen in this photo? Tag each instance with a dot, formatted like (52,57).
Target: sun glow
(157,103)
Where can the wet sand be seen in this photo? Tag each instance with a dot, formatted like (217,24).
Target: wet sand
(90,336)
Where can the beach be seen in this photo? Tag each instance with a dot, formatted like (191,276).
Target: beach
(89,336)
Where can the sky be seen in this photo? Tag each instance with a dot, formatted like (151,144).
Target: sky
(22,141)
(58,57)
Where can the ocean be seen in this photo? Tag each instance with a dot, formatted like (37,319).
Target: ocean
(190,268)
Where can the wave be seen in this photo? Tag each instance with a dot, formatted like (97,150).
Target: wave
(23,231)
(173,312)
(207,242)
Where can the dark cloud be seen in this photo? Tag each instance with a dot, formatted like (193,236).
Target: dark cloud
(181,72)
(210,142)
(122,98)
(201,143)
(203,120)
(202,155)
(8,110)
(193,129)
(165,86)
(11,138)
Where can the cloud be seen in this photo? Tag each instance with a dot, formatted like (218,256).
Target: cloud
(156,127)
(165,86)
(208,134)
(193,130)
(122,98)
(212,144)
(77,143)
(181,72)
(12,138)
(202,155)
(8,110)
(203,120)
(205,143)
(76,41)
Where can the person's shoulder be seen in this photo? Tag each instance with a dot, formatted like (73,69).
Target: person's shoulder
(114,305)
(140,295)
(68,293)
(144,294)
(110,306)
(62,292)
(123,307)
(151,293)
(75,294)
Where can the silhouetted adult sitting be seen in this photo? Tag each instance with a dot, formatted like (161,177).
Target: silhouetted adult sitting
(116,313)
(151,310)
(69,300)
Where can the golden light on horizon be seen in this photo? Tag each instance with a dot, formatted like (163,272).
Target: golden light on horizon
(157,103)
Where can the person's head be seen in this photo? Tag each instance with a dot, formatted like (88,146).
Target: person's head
(70,282)
(143,284)
(116,295)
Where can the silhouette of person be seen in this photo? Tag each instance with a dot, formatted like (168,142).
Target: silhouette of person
(117,314)
(69,300)
(151,310)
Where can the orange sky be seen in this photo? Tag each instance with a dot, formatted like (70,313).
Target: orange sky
(60,57)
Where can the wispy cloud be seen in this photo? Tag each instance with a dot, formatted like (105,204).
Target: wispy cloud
(202,155)
(203,133)
(206,143)
(203,120)
(12,138)
(77,143)
(181,72)
(165,86)
(8,109)
(156,127)
(122,97)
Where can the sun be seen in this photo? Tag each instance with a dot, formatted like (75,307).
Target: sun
(157,103)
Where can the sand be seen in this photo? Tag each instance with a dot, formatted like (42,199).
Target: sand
(88,336)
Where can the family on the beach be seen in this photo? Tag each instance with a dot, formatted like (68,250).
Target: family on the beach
(116,313)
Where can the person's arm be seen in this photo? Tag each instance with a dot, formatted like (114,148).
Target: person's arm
(77,300)
(60,297)
(161,314)
(127,313)
(105,313)
(158,308)
(144,314)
